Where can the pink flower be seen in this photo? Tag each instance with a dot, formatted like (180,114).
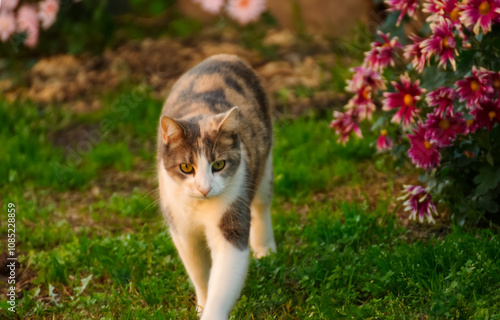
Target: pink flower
(423,153)
(382,53)
(212,6)
(480,14)
(405,99)
(8,5)
(448,9)
(47,12)
(490,80)
(404,6)
(487,113)
(443,130)
(7,25)
(27,21)
(441,43)
(344,124)
(472,88)
(383,142)
(414,51)
(442,98)
(433,7)
(362,103)
(419,203)
(471,126)
(245,11)
(363,77)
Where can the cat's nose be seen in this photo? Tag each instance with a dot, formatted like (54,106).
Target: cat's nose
(204,190)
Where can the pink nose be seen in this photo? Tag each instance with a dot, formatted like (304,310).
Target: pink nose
(204,191)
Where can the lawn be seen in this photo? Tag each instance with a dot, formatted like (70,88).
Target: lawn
(92,244)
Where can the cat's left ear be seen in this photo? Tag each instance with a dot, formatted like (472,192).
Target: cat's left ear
(230,121)
(171,129)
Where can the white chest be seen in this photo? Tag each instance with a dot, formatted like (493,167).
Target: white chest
(187,214)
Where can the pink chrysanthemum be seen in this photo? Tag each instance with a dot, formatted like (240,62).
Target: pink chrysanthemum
(344,124)
(27,21)
(7,25)
(362,103)
(442,98)
(441,43)
(405,99)
(423,153)
(381,54)
(419,203)
(449,9)
(245,11)
(443,130)
(487,113)
(405,7)
(472,88)
(212,6)
(491,80)
(384,142)
(433,7)
(480,14)
(8,5)
(364,77)
(414,52)
(47,12)
(471,126)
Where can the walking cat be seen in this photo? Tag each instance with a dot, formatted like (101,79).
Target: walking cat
(216,178)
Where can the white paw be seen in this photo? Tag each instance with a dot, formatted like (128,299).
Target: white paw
(260,252)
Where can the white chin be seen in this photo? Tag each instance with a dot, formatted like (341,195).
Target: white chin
(198,195)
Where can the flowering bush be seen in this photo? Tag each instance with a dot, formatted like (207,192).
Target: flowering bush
(26,18)
(443,103)
(243,11)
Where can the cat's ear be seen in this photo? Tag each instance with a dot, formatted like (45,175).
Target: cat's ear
(230,120)
(171,130)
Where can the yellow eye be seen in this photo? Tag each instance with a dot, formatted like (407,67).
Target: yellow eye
(186,168)
(218,165)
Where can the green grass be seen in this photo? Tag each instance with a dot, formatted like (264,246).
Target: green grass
(96,245)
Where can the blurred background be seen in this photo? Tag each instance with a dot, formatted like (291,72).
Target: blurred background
(75,51)
(82,83)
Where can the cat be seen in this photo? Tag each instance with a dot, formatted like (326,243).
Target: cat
(215,177)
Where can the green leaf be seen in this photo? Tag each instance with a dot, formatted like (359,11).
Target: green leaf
(487,179)
(489,159)
(488,205)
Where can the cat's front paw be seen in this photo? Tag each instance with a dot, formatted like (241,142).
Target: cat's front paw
(260,252)
(213,316)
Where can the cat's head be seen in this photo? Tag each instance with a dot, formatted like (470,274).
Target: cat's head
(201,154)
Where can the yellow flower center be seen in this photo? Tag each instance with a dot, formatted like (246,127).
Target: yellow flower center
(444,124)
(455,14)
(484,8)
(469,122)
(474,85)
(427,144)
(492,114)
(383,132)
(366,94)
(408,100)
(244,3)
(468,154)
(445,42)
(496,84)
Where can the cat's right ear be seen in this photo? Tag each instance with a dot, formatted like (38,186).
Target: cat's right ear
(171,129)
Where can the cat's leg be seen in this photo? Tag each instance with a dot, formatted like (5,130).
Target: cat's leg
(261,230)
(196,258)
(227,276)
